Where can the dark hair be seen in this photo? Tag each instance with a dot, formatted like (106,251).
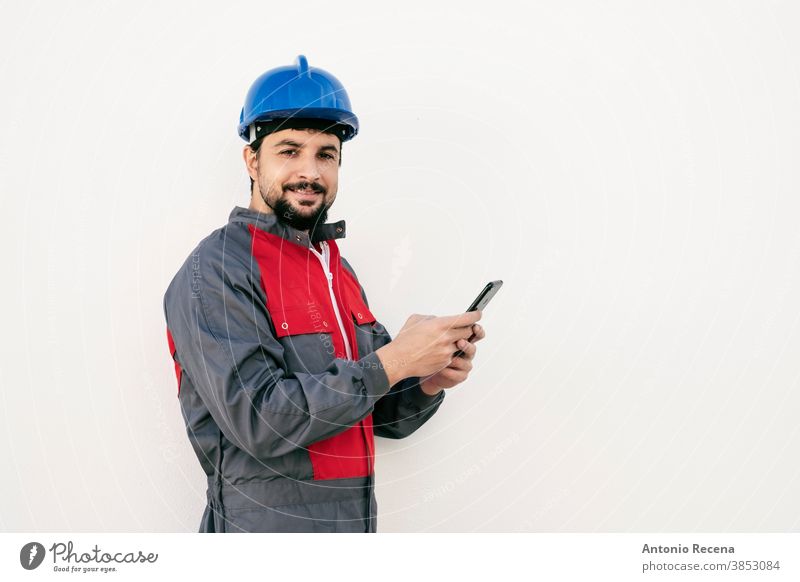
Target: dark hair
(257,144)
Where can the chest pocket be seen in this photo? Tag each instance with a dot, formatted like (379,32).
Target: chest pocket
(305,332)
(299,319)
(361,313)
(363,321)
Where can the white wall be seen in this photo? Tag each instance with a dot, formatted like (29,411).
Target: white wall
(628,169)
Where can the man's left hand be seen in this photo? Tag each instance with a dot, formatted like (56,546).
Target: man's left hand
(459,368)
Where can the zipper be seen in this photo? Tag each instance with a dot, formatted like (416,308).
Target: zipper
(324,258)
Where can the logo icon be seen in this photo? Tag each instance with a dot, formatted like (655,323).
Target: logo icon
(31,555)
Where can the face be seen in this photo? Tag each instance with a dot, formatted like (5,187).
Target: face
(296,175)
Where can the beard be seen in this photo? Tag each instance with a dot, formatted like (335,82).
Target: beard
(301,218)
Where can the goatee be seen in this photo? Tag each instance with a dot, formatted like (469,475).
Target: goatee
(288,215)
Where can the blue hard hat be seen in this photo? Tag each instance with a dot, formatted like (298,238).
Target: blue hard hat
(297,92)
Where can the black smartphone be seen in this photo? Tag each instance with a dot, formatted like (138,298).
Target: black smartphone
(481,301)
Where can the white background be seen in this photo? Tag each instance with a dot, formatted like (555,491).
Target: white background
(629,169)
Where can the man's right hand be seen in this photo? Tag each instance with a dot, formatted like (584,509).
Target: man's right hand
(425,345)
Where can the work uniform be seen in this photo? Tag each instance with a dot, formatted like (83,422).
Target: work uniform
(278,380)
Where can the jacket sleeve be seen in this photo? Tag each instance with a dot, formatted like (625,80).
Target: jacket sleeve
(224,342)
(405,407)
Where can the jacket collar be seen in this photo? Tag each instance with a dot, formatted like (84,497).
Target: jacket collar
(271,224)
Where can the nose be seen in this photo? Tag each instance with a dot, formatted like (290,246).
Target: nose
(308,169)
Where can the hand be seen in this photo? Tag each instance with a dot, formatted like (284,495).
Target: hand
(425,345)
(458,370)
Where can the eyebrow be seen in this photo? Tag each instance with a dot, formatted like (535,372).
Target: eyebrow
(294,144)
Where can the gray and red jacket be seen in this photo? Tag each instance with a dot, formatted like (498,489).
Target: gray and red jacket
(278,380)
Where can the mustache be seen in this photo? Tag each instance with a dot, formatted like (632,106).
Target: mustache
(318,188)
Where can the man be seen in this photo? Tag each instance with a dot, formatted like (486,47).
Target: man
(284,374)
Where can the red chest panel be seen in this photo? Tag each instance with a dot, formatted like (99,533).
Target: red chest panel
(299,301)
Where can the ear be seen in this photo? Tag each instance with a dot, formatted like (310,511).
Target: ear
(251,161)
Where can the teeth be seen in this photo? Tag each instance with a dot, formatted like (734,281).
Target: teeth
(305,191)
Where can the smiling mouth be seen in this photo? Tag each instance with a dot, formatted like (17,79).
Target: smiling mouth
(306,189)
(306,198)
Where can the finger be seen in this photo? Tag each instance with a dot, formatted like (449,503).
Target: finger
(468,349)
(461,363)
(479,332)
(458,333)
(453,376)
(461,319)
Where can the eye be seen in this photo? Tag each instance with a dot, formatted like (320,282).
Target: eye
(327,156)
(289,152)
